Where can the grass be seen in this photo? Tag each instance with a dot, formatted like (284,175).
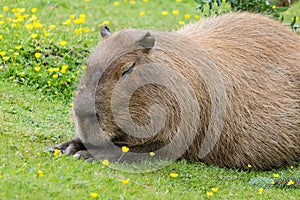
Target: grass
(32,116)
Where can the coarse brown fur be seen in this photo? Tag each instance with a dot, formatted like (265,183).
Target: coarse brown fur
(258,60)
(285,3)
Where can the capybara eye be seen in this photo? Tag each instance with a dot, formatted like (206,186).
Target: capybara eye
(128,71)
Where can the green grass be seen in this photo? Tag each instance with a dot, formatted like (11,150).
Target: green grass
(33,115)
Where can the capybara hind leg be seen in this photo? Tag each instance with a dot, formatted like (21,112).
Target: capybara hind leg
(69,147)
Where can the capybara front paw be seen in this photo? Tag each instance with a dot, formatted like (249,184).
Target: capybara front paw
(69,147)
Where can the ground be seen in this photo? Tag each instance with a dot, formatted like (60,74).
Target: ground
(31,119)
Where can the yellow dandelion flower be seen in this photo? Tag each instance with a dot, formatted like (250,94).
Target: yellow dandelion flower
(56,152)
(37,55)
(82,16)
(37,24)
(214,189)
(46,34)
(71,104)
(274,7)
(33,10)
(52,26)
(79,21)
(173,175)
(175,12)
(83,67)
(1,22)
(179,1)
(77,31)
(64,69)
(125,181)
(5,8)
(291,182)
(56,69)
(116,3)
(29,26)
(187,16)
(164,13)
(260,190)
(67,22)
(142,13)
(145,1)
(249,166)
(197,17)
(94,194)
(63,43)
(55,76)
(18,47)
(297,19)
(72,16)
(37,69)
(33,35)
(181,23)
(49,83)
(132,2)
(50,70)
(152,154)
(2,53)
(105,162)
(40,173)
(272,183)
(209,194)
(6,58)
(276,175)
(86,29)
(125,149)
(86,1)
(20,19)
(106,22)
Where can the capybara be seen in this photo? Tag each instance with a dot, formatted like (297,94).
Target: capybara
(224,91)
(285,3)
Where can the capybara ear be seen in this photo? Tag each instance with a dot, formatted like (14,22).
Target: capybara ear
(146,41)
(104,31)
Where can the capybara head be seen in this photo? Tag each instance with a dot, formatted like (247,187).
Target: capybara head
(224,91)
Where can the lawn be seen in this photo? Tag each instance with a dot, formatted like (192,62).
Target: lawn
(35,104)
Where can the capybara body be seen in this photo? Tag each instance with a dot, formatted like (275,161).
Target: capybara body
(285,3)
(243,70)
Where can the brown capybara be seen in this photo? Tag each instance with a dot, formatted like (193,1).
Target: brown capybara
(285,3)
(224,91)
